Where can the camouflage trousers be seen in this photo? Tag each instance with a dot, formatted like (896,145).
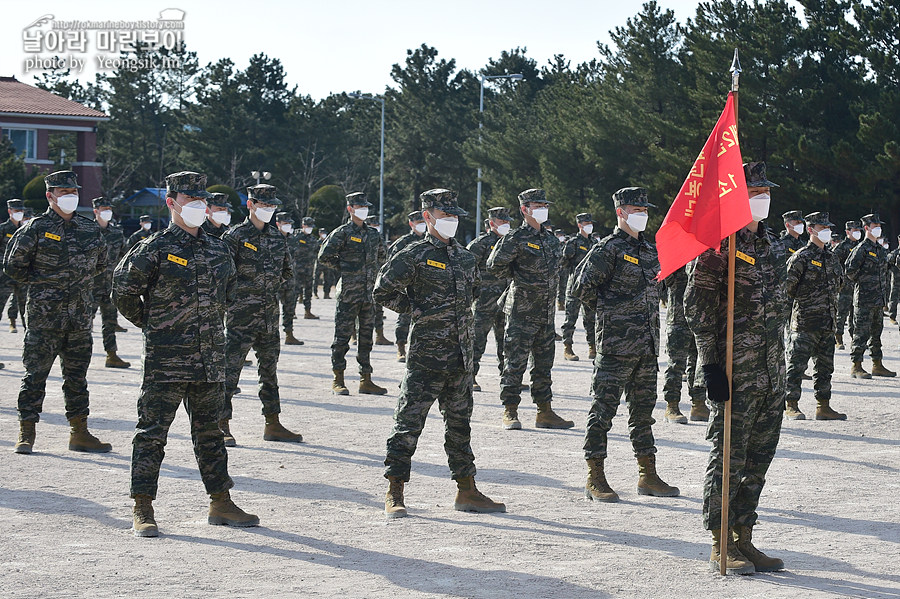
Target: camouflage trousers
(524,339)
(589,319)
(681,349)
(484,322)
(845,309)
(108,319)
(305,289)
(379,317)
(157,405)
(326,276)
(402,333)
(345,318)
(41,347)
(755,430)
(18,293)
(869,323)
(288,298)
(238,341)
(418,391)
(895,296)
(817,344)
(613,375)
(561,290)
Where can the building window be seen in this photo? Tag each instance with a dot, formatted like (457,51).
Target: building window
(24,141)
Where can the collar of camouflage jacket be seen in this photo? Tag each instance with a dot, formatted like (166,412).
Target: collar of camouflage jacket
(621,234)
(437,242)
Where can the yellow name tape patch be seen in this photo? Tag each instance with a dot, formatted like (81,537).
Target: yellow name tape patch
(873,254)
(247,244)
(301,241)
(58,238)
(176,259)
(814,263)
(356,239)
(746,258)
(581,247)
(10,235)
(436,264)
(631,259)
(791,250)
(534,245)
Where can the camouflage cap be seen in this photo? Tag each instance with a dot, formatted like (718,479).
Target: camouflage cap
(755,174)
(187,182)
(871,219)
(15,204)
(146,218)
(818,218)
(584,217)
(308,221)
(62,179)
(852,224)
(27,212)
(559,232)
(835,236)
(372,220)
(357,198)
(631,196)
(283,217)
(500,213)
(264,193)
(442,199)
(414,216)
(792,215)
(218,199)
(101,201)
(533,195)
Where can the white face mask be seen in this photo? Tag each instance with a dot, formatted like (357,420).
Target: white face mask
(420,227)
(759,206)
(264,214)
(106,215)
(446,227)
(503,229)
(875,231)
(361,213)
(146,226)
(637,221)
(223,217)
(588,229)
(287,228)
(194,213)
(67,203)
(857,235)
(798,229)
(540,214)
(824,235)
(307,230)
(16,215)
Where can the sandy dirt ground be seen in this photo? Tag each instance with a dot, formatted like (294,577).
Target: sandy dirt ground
(830,508)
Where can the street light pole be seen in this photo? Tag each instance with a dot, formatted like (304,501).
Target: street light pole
(515,76)
(381,168)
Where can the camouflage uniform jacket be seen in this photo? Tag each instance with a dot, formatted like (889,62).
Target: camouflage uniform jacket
(401,242)
(115,246)
(576,248)
(435,282)
(492,287)
(7,230)
(353,250)
(295,250)
(306,257)
(760,306)
(842,251)
(212,230)
(617,279)
(175,287)
(813,284)
(867,266)
(790,243)
(138,236)
(263,264)
(675,285)
(59,260)
(531,259)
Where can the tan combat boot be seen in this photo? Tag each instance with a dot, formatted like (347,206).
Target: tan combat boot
(596,488)
(337,385)
(26,437)
(470,499)
(743,537)
(547,418)
(367,387)
(649,483)
(144,522)
(673,413)
(114,361)
(475,385)
(275,431)
(12,326)
(792,410)
(226,433)
(289,339)
(393,499)
(223,511)
(561,306)
(80,439)
(309,315)
(824,411)
(592,351)
(511,418)
(839,341)
(878,369)
(401,351)
(380,339)
(858,372)
(735,562)
(699,411)
(568,352)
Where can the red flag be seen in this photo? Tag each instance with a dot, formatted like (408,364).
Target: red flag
(712,203)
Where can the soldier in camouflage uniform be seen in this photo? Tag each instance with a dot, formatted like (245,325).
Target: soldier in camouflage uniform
(175,286)
(9,287)
(218,215)
(793,229)
(416,232)
(866,268)
(306,259)
(681,350)
(352,251)
(145,230)
(564,273)
(530,257)
(574,251)
(813,284)
(486,310)
(436,279)
(617,281)
(57,255)
(263,265)
(115,242)
(289,291)
(845,300)
(380,339)
(894,276)
(326,274)
(757,386)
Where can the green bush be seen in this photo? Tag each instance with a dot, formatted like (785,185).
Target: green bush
(328,206)
(34,194)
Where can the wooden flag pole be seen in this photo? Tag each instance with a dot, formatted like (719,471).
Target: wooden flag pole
(724,530)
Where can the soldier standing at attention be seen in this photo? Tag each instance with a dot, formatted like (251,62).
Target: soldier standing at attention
(263,265)
(16,210)
(681,350)
(574,251)
(58,255)
(115,245)
(143,232)
(218,216)
(352,251)
(617,281)
(380,339)
(866,268)
(488,314)
(793,229)
(845,301)
(289,292)
(416,232)
(175,287)
(436,279)
(306,259)
(757,389)
(530,257)
(813,284)
(326,273)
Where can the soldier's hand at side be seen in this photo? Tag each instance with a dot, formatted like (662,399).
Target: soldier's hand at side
(716,383)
